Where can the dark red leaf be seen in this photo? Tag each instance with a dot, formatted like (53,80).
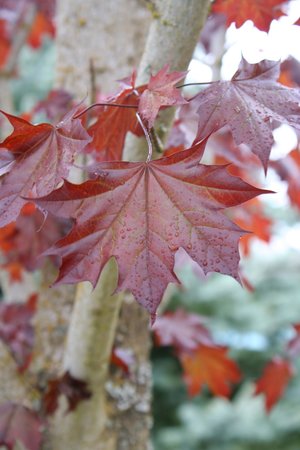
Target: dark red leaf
(250,104)
(73,389)
(113,123)
(24,241)
(43,155)
(161,91)
(209,365)
(183,330)
(141,213)
(17,331)
(18,423)
(274,380)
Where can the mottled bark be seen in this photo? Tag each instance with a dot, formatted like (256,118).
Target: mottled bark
(111,36)
(172,38)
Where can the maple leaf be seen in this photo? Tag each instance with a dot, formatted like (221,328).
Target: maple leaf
(72,388)
(161,91)
(41,26)
(24,241)
(249,104)
(274,380)
(261,12)
(209,365)
(16,329)
(43,155)
(141,213)
(18,423)
(184,331)
(112,125)
(251,217)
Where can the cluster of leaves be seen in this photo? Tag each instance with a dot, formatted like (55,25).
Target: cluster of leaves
(141,213)
(206,364)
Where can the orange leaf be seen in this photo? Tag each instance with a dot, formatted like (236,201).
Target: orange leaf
(274,381)
(261,12)
(209,365)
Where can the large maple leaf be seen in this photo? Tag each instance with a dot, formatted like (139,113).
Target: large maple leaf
(209,365)
(141,213)
(249,104)
(274,380)
(261,12)
(42,157)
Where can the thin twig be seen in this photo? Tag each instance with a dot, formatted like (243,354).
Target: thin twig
(119,105)
(195,84)
(147,135)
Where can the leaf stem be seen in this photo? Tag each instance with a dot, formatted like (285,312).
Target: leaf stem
(147,135)
(119,105)
(195,84)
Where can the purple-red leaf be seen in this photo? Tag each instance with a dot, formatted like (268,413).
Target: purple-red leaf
(19,424)
(42,157)
(141,213)
(16,329)
(183,330)
(250,104)
(161,91)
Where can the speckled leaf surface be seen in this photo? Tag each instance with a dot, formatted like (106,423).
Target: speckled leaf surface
(141,213)
(250,104)
(42,157)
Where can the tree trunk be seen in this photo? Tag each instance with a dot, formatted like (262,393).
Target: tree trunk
(109,38)
(123,422)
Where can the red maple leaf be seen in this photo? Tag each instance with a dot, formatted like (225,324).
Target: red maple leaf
(209,365)
(249,104)
(184,331)
(251,217)
(113,123)
(42,157)
(161,91)
(24,241)
(42,25)
(18,423)
(16,329)
(72,388)
(261,12)
(141,213)
(274,380)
